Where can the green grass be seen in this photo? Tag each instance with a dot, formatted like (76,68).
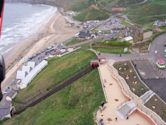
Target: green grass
(112,43)
(141,14)
(126,23)
(113,46)
(74,105)
(57,71)
(163,28)
(149,12)
(73,41)
(81,5)
(111,50)
(129,2)
(115,43)
(91,14)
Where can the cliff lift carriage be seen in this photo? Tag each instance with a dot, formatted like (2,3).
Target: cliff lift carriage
(2,64)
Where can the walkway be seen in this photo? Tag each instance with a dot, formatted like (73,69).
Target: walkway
(147,96)
(115,98)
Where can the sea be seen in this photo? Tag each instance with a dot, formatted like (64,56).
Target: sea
(22,20)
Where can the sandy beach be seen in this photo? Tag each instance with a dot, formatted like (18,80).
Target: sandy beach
(57,30)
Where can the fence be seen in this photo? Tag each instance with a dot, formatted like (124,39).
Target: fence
(50,92)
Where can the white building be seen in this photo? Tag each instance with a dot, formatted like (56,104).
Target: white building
(27,77)
(128,39)
(21,74)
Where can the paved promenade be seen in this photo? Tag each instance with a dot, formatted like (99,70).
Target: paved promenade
(115,98)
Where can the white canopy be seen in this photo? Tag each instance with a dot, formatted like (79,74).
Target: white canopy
(20,75)
(129,38)
(31,64)
(32,74)
(26,69)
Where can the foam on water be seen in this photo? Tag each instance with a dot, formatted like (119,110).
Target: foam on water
(25,27)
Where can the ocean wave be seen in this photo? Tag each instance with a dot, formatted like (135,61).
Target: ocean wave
(26,27)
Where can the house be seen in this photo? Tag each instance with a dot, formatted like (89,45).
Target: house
(84,35)
(159,23)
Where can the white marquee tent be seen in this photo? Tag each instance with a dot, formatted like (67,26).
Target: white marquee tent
(35,70)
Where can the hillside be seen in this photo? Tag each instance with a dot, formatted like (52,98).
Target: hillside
(140,11)
(74,105)
(79,4)
(146,13)
(66,4)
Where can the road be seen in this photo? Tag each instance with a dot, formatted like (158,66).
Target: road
(158,46)
(157,85)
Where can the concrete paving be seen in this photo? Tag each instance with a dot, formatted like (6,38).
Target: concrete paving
(147,70)
(108,115)
(158,86)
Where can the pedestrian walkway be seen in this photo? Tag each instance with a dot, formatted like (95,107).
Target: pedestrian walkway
(126,109)
(115,98)
(147,96)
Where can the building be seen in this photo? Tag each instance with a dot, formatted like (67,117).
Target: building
(84,35)
(28,72)
(128,39)
(159,23)
(5,107)
(26,69)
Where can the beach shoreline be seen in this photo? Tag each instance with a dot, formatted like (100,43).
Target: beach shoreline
(57,30)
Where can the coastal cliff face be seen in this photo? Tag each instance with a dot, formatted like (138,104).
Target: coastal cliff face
(66,4)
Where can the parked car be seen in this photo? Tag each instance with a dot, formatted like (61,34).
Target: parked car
(165,48)
(161,64)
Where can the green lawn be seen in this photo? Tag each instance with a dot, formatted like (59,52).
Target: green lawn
(75,105)
(149,12)
(163,28)
(111,50)
(57,71)
(114,43)
(141,14)
(73,41)
(91,14)
(111,46)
